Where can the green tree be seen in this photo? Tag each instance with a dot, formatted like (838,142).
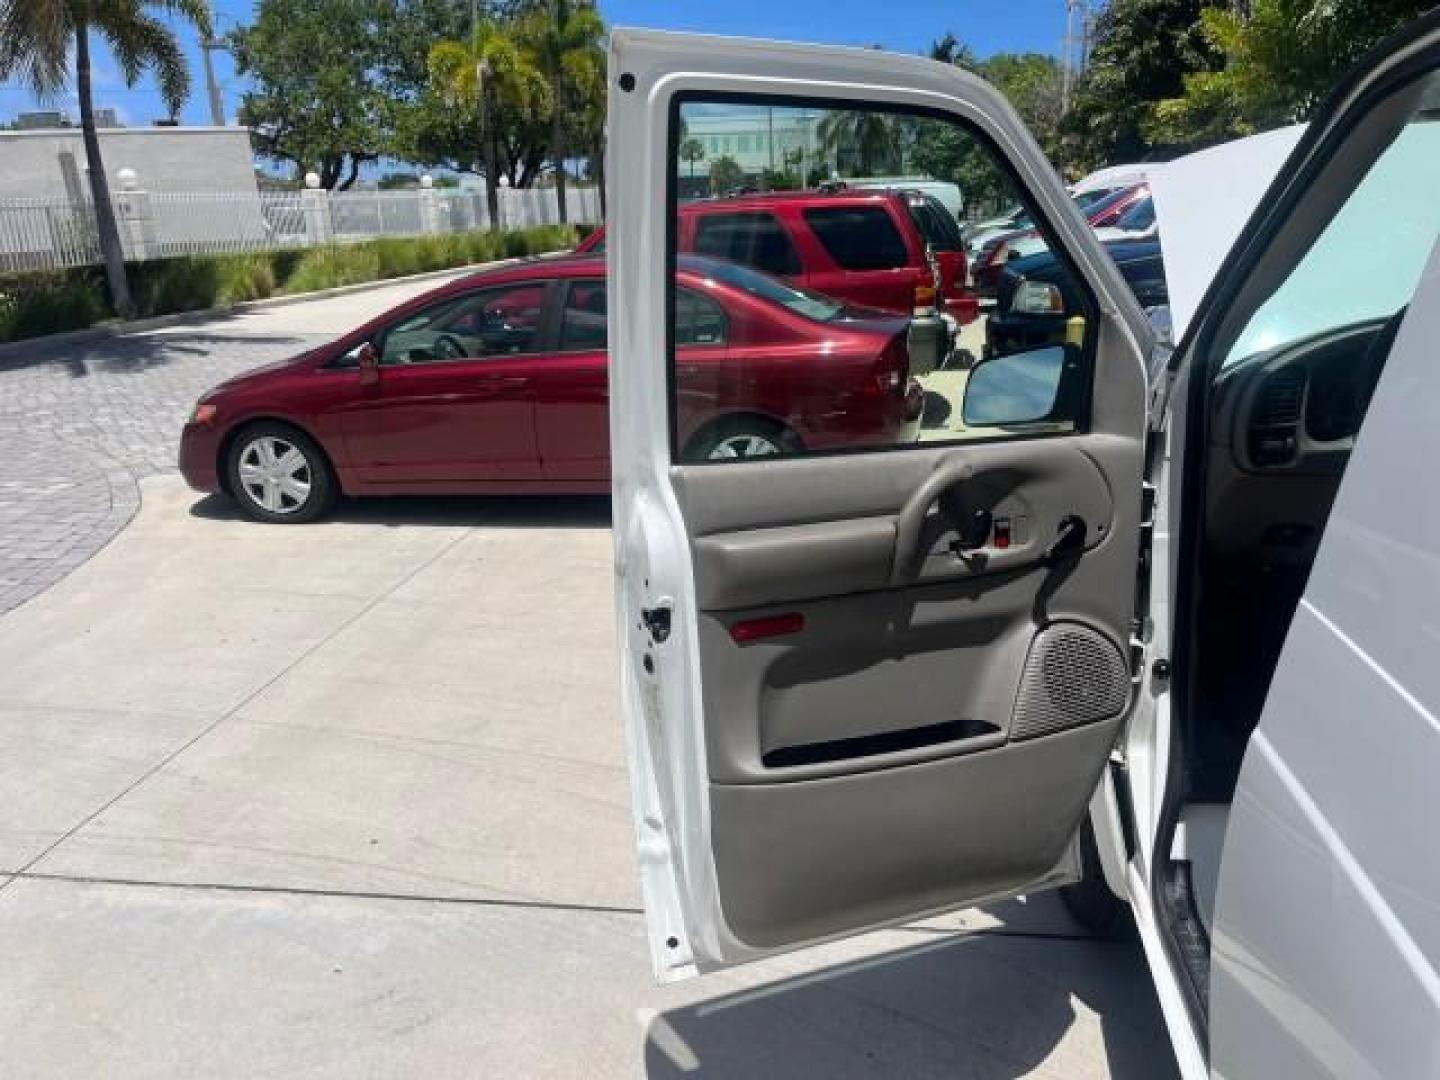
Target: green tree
(871,141)
(1142,51)
(488,72)
(35,41)
(1031,82)
(563,38)
(319,101)
(725,175)
(692,151)
(1278,61)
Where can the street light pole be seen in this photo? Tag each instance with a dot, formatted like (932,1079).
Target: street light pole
(208,45)
(1068,63)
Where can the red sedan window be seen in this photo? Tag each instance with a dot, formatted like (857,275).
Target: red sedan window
(498,321)
(582,323)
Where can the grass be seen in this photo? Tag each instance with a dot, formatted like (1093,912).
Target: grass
(34,304)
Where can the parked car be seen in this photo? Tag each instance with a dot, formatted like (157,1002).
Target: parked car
(990,260)
(1102,182)
(1036,296)
(1173,652)
(865,246)
(1137,222)
(944,192)
(497,383)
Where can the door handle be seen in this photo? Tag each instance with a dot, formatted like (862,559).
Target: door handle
(502,382)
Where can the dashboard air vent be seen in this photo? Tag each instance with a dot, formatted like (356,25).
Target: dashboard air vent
(1275,418)
(1279,404)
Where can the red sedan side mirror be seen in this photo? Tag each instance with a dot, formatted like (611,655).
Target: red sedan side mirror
(369,361)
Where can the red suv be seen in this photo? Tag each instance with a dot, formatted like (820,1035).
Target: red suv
(497,383)
(863,245)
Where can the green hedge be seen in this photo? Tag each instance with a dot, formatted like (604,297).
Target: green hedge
(51,301)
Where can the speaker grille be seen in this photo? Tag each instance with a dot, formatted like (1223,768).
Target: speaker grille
(1073,676)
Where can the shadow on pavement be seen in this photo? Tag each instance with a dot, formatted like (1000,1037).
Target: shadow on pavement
(134,354)
(984,1004)
(491,511)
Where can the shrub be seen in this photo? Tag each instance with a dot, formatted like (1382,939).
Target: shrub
(187,283)
(245,277)
(330,267)
(50,302)
(399,257)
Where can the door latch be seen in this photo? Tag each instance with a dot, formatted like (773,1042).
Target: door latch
(657,621)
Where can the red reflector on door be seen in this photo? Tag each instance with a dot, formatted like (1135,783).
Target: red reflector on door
(774,626)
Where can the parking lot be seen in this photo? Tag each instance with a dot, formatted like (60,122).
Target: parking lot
(351,798)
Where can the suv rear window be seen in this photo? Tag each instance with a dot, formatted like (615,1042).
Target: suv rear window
(939,229)
(859,237)
(754,239)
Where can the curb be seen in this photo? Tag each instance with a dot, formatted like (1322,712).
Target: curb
(113,328)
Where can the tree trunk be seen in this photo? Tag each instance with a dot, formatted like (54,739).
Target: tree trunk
(491,149)
(108,231)
(557,149)
(354,174)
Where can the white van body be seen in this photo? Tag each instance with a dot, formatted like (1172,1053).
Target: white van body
(945,193)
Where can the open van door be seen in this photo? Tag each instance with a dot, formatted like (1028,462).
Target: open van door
(868,675)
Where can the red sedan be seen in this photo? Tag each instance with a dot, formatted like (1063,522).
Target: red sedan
(497,383)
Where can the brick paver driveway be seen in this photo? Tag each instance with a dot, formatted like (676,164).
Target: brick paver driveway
(81,423)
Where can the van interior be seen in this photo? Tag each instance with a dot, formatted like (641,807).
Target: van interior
(1281,383)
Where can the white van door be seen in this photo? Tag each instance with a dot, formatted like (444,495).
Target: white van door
(874,628)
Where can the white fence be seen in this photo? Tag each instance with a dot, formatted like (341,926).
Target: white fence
(50,233)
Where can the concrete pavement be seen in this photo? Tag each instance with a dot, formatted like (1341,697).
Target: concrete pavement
(349,799)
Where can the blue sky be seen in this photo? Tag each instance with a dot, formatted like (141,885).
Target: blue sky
(988,26)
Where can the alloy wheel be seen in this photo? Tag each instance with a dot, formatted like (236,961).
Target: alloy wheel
(275,474)
(745,445)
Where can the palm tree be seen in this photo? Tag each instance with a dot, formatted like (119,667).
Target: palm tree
(563,37)
(873,136)
(692,150)
(35,40)
(489,70)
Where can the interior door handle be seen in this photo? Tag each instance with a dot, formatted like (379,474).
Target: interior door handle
(911,521)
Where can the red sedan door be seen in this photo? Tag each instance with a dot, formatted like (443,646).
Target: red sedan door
(572,400)
(455,400)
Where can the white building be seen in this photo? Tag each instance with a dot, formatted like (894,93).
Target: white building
(756,138)
(51,162)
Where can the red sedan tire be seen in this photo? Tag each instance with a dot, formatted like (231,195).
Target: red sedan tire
(279,474)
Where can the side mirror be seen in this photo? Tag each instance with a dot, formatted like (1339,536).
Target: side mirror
(1018,388)
(368,361)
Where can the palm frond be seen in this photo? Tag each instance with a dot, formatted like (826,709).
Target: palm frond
(35,44)
(139,42)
